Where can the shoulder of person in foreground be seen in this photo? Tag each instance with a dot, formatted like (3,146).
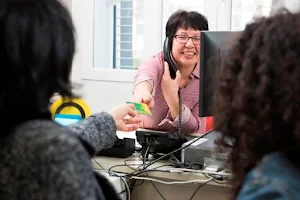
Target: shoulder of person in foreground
(53,164)
(274,178)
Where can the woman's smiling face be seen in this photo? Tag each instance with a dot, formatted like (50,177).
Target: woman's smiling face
(186,54)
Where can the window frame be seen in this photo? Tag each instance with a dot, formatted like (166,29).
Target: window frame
(83,15)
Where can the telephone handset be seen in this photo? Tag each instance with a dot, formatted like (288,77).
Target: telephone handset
(172,68)
(168,59)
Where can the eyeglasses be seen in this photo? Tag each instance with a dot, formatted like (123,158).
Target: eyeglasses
(182,39)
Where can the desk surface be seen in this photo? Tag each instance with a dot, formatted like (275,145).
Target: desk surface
(176,175)
(211,190)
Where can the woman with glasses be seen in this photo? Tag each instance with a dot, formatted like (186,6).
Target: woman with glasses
(154,86)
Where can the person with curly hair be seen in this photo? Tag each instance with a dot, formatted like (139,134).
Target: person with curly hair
(257,107)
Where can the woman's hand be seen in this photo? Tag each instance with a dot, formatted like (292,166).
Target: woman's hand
(170,86)
(142,94)
(125,117)
(145,98)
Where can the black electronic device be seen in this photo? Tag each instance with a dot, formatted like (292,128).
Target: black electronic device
(159,142)
(205,154)
(122,148)
(168,58)
(213,47)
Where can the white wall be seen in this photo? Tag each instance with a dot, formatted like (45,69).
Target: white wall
(293,5)
(102,96)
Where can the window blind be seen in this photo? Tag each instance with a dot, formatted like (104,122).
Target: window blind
(129,43)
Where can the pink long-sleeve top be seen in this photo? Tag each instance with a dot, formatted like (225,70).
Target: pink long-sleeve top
(151,70)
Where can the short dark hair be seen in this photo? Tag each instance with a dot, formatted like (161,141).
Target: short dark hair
(258,95)
(37,45)
(184,19)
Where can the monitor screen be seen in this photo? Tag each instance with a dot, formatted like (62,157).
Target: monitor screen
(213,46)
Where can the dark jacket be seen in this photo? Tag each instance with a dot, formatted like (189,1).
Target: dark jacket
(43,160)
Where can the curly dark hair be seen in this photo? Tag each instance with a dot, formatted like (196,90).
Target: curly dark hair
(257,101)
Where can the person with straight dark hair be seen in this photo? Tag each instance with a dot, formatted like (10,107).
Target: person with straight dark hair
(39,159)
(256,107)
(155,82)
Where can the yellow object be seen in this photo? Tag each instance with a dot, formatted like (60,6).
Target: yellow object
(76,106)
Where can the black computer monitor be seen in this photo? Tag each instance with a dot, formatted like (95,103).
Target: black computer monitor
(213,46)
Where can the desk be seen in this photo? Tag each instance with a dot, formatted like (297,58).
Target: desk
(210,191)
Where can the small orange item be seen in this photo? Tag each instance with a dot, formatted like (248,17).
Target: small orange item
(209,123)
